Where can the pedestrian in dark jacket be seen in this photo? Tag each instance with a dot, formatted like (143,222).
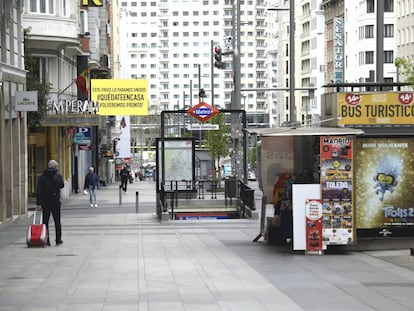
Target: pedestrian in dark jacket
(92,185)
(124,178)
(48,197)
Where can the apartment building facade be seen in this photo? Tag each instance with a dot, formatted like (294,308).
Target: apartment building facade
(361,41)
(309,58)
(170,43)
(67,41)
(13,129)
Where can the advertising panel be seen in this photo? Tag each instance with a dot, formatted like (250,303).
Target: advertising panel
(120,97)
(276,159)
(336,184)
(379,108)
(123,142)
(313,210)
(385,175)
(179,161)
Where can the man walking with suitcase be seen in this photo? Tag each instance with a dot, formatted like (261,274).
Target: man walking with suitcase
(48,197)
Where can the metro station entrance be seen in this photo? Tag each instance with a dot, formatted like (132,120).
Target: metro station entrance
(181,185)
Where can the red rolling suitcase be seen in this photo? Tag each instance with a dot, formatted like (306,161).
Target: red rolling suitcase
(37,234)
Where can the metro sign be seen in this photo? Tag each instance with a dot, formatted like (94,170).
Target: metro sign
(202,111)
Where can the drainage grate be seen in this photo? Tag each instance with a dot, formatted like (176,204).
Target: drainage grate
(66,255)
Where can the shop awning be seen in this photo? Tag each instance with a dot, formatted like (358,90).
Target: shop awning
(304,131)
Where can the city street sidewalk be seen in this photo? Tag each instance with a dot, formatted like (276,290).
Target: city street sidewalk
(113,258)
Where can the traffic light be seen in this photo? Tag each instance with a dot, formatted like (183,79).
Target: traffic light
(218,56)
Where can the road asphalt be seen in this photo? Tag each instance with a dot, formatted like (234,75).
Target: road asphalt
(121,257)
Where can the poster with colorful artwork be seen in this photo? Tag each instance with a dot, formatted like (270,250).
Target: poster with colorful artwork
(337,187)
(385,174)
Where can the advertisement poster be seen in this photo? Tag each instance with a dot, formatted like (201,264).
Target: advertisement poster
(276,159)
(385,174)
(378,108)
(313,211)
(123,142)
(115,97)
(179,162)
(336,188)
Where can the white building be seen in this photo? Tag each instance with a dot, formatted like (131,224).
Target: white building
(309,60)
(13,124)
(170,43)
(360,41)
(405,30)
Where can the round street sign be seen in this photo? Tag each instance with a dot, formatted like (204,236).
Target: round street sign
(203,111)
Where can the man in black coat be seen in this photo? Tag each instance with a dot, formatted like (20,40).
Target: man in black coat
(48,197)
(124,173)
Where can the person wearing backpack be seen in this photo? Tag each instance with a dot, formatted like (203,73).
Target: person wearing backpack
(48,197)
(91,185)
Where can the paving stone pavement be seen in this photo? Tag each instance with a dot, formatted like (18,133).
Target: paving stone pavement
(113,258)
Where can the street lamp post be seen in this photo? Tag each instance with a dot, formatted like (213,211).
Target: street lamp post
(292,103)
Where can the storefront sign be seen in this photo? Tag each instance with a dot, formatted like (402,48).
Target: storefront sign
(26,101)
(72,106)
(379,108)
(385,171)
(92,3)
(336,184)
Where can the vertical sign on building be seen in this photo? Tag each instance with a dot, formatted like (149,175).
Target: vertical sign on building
(336,184)
(338,49)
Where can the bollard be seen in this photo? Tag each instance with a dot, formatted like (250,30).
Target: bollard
(136,201)
(120,195)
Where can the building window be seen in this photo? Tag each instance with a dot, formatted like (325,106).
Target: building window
(42,6)
(369,57)
(388,57)
(65,8)
(369,31)
(389,6)
(389,30)
(370,6)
